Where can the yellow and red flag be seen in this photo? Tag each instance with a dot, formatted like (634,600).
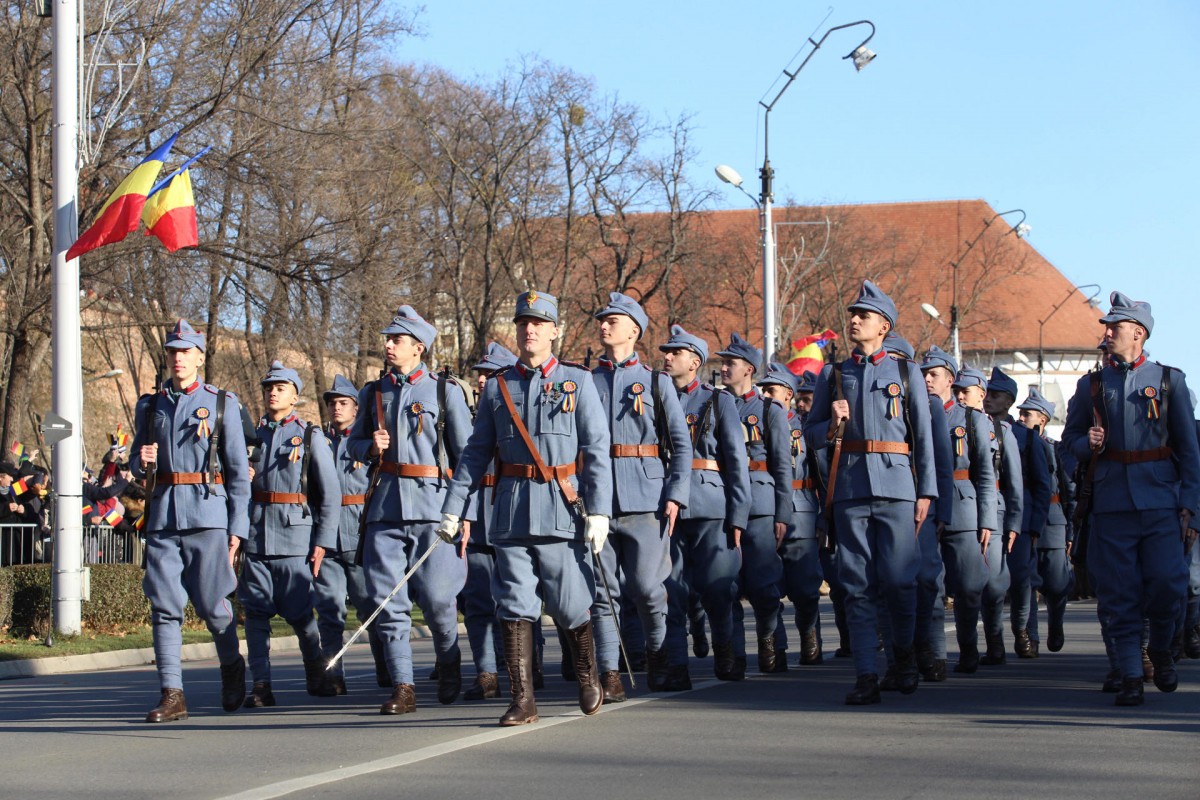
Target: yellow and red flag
(113,518)
(170,214)
(18,451)
(807,353)
(119,215)
(22,486)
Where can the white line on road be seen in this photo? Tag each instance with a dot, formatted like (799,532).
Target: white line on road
(283,788)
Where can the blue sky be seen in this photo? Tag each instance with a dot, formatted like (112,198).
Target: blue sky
(1084,114)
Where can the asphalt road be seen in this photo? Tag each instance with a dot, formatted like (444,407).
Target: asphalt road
(1030,728)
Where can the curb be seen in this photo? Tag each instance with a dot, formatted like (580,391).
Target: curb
(140,657)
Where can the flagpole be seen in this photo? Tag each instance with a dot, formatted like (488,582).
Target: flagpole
(67,585)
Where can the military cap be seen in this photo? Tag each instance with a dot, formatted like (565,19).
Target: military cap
(624,304)
(1001,382)
(682,340)
(184,337)
(872,298)
(281,374)
(342,387)
(740,348)
(538,305)
(497,357)
(808,383)
(937,357)
(1133,310)
(895,343)
(1037,402)
(779,375)
(407,320)
(969,376)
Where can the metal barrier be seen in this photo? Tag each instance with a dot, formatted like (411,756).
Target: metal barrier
(25,544)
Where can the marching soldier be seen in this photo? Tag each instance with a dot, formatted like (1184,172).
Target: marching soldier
(705,554)
(1020,554)
(767,437)
(1055,576)
(966,537)
(293,522)
(651,463)
(867,410)
(1132,423)
(537,419)
(416,423)
(339,575)
(190,447)
(479,604)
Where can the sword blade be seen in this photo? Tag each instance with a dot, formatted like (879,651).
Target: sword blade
(616,625)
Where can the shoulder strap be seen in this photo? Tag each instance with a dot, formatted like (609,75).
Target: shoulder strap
(440,446)
(766,420)
(902,368)
(569,493)
(1099,412)
(1164,394)
(660,418)
(214,440)
(705,416)
(308,434)
(970,429)
(380,422)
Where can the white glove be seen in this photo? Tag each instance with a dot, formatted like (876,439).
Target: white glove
(596,532)
(448,528)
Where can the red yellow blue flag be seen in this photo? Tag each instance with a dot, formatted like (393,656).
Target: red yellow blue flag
(170,214)
(807,353)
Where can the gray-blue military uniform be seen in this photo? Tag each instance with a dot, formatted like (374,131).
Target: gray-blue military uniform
(766,435)
(200,499)
(1146,472)
(886,464)
(1011,510)
(295,504)
(340,576)
(404,510)
(974,508)
(704,559)
(536,525)
(638,547)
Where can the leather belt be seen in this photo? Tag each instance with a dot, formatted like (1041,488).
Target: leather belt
(758,466)
(634,451)
(354,499)
(874,446)
(1055,499)
(706,463)
(807,483)
(962,474)
(1136,456)
(278,498)
(186,478)
(414,470)
(530,471)
(489,480)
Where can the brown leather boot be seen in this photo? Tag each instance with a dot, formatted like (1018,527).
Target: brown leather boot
(518,657)
(449,680)
(170,707)
(485,687)
(810,649)
(614,690)
(260,696)
(402,701)
(583,650)
(723,661)
(766,654)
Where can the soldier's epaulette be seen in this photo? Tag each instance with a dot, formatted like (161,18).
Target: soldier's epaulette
(501,371)
(575,364)
(208,387)
(707,386)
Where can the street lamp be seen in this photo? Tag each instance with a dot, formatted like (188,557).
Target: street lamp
(1021,230)
(112,373)
(1041,365)
(861,57)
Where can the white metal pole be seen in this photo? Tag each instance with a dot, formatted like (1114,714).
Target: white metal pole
(67,585)
(769,290)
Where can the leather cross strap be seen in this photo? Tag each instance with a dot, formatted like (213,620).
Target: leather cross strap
(758,466)
(186,478)
(709,464)
(353,499)
(547,474)
(278,498)
(806,483)
(415,470)
(874,446)
(962,474)
(1136,456)
(531,472)
(634,451)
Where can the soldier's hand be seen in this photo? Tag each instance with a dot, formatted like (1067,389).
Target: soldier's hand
(1070,546)
(447,529)
(985,536)
(920,513)
(93,520)
(466,537)
(315,558)
(149,454)
(841,411)
(234,545)
(671,512)
(381,440)
(1186,532)
(737,538)
(1096,438)
(1010,538)
(780,533)
(596,532)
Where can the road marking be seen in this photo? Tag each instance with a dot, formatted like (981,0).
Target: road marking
(284,788)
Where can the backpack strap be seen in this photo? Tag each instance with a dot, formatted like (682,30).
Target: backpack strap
(214,440)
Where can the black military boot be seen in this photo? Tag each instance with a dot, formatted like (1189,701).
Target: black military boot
(1112,682)
(449,680)
(906,669)
(171,706)
(1191,642)
(485,687)
(1023,645)
(1056,638)
(233,684)
(968,659)
(865,692)
(678,679)
(995,651)
(1132,692)
(699,638)
(891,679)
(1165,677)
(931,668)
(656,669)
(583,649)
(316,679)
(260,696)
(723,662)
(810,648)
(518,657)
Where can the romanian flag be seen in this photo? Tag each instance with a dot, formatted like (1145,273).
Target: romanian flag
(120,439)
(113,518)
(141,523)
(22,486)
(18,451)
(807,355)
(119,215)
(170,213)
(86,510)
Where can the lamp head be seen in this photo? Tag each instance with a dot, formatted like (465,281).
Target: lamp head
(1023,230)
(729,175)
(931,310)
(862,56)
